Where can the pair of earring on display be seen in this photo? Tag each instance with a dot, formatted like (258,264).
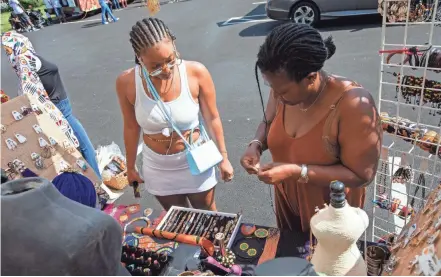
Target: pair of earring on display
(63,166)
(26,110)
(21,139)
(17,116)
(34,156)
(410,234)
(391,265)
(82,164)
(36,109)
(52,141)
(416,240)
(434,210)
(39,163)
(437,223)
(68,147)
(437,198)
(37,129)
(433,238)
(11,144)
(42,142)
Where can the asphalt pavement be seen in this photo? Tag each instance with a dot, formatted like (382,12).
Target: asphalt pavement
(225,36)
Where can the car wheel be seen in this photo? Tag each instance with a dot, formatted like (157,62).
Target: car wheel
(305,12)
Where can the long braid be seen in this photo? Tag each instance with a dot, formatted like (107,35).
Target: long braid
(297,49)
(148,32)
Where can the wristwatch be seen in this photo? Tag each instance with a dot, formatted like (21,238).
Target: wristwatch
(303,179)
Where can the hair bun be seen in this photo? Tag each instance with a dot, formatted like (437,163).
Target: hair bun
(330,47)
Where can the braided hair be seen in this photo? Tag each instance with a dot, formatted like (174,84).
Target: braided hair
(296,49)
(148,32)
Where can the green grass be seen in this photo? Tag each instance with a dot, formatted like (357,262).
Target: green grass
(4,23)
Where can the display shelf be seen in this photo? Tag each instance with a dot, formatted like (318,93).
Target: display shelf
(399,151)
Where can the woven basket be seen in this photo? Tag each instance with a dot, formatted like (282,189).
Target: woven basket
(118,182)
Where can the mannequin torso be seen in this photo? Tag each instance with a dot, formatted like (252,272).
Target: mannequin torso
(337,231)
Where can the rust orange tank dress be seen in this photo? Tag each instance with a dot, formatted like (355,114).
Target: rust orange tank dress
(295,203)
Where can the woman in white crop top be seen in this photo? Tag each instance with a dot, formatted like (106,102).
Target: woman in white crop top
(187,90)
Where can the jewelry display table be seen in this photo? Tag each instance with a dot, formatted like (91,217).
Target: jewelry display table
(278,243)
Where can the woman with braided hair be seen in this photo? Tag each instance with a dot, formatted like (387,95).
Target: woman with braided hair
(187,91)
(317,126)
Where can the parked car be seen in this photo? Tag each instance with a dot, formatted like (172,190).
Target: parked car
(311,11)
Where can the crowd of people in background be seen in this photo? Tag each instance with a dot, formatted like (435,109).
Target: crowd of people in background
(20,19)
(31,19)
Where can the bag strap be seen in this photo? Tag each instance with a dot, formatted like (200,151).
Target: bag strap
(169,118)
(161,106)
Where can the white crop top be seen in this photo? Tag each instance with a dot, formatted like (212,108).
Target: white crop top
(184,110)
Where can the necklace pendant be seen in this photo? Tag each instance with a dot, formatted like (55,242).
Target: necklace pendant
(304,110)
(166,132)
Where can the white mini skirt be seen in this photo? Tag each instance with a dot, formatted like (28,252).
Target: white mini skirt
(170,174)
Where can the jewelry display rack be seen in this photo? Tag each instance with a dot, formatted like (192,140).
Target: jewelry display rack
(398,152)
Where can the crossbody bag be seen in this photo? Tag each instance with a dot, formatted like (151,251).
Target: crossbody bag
(201,157)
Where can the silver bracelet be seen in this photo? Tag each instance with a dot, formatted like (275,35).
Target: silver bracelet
(256,141)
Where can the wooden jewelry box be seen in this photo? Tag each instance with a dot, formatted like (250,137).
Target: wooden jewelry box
(202,223)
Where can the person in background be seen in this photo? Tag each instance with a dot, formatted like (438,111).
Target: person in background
(58,9)
(110,5)
(116,4)
(37,16)
(318,127)
(187,90)
(105,12)
(124,3)
(19,11)
(17,24)
(45,76)
(49,18)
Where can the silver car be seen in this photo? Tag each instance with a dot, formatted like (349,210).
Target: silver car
(311,11)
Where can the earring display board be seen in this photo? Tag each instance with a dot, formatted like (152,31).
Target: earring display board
(410,108)
(31,141)
(417,250)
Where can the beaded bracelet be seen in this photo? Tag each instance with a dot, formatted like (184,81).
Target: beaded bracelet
(201,225)
(208,226)
(169,221)
(195,224)
(133,220)
(180,222)
(179,216)
(189,223)
(184,223)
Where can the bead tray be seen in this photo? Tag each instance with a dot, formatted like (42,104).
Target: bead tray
(164,221)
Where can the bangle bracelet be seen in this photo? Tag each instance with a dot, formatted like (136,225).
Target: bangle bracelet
(258,143)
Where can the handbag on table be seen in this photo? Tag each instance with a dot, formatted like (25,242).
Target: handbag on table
(201,157)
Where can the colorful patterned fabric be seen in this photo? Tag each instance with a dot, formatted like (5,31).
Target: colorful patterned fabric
(4,97)
(139,240)
(21,55)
